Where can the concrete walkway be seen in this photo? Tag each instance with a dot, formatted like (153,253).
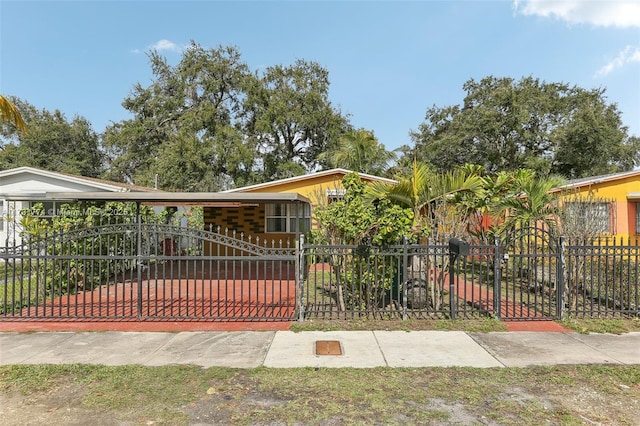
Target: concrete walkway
(334,349)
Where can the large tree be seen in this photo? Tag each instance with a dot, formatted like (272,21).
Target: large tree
(52,143)
(209,123)
(186,130)
(594,141)
(505,124)
(292,119)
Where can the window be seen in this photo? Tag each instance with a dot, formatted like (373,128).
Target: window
(335,195)
(638,218)
(282,217)
(49,208)
(596,216)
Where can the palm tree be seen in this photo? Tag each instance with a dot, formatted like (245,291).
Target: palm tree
(442,204)
(359,151)
(424,188)
(530,202)
(10,114)
(432,197)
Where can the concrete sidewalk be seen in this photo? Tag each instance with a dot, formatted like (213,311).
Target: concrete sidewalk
(287,349)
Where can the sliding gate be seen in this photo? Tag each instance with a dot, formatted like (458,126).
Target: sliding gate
(148,271)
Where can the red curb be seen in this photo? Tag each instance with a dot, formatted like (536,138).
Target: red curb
(157,326)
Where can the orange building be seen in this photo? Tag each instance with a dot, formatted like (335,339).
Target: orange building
(620,207)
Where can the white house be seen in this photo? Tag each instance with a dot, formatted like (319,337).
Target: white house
(22,187)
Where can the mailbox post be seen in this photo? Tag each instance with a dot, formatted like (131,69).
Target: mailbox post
(457,247)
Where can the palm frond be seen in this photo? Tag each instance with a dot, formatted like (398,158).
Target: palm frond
(9,113)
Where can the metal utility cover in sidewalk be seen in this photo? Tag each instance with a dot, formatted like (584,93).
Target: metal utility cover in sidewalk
(328,347)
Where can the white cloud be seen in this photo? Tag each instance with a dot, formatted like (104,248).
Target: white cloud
(159,46)
(165,45)
(628,55)
(601,13)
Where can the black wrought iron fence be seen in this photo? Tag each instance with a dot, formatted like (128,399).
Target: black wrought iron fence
(135,270)
(602,279)
(140,270)
(528,276)
(399,281)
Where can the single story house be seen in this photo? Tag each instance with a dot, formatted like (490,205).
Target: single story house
(280,221)
(619,202)
(22,187)
(272,212)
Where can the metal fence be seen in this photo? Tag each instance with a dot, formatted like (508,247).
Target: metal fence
(527,276)
(602,280)
(134,270)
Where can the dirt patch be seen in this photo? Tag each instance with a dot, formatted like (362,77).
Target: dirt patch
(222,409)
(219,407)
(61,406)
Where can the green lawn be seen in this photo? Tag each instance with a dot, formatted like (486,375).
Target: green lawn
(182,395)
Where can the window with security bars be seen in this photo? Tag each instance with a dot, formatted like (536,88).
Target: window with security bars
(597,215)
(283,217)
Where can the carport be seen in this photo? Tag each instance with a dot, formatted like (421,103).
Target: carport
(124,270)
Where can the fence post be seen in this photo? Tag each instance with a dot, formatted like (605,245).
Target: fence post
(139,258)
(403,277)
(497,277)
(452,298)
(560,280)
(300,266)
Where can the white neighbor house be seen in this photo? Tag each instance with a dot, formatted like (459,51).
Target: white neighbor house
(22,187)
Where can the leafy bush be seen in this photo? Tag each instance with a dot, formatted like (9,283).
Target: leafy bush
(365,275)
(89,243)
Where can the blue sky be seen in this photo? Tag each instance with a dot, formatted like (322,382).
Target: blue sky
(388,61)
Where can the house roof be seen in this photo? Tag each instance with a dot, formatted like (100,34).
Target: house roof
(594,180)
(99,184)
(182,198)
(302,178)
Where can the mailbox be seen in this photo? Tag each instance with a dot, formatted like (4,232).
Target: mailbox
(459,247)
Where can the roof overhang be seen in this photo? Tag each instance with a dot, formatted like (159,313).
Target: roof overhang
(214,199)
(96,184)
(315,175)
(25,196)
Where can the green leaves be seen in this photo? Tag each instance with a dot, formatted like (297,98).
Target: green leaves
(504,125)
(360,151)
(292,118)
(209,123)
(358,220)
(423,189)
(52,143)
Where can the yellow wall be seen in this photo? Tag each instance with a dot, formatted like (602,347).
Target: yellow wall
(314,188)
(251,220)
(625,210)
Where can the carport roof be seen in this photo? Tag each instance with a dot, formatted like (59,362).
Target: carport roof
(181,198)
